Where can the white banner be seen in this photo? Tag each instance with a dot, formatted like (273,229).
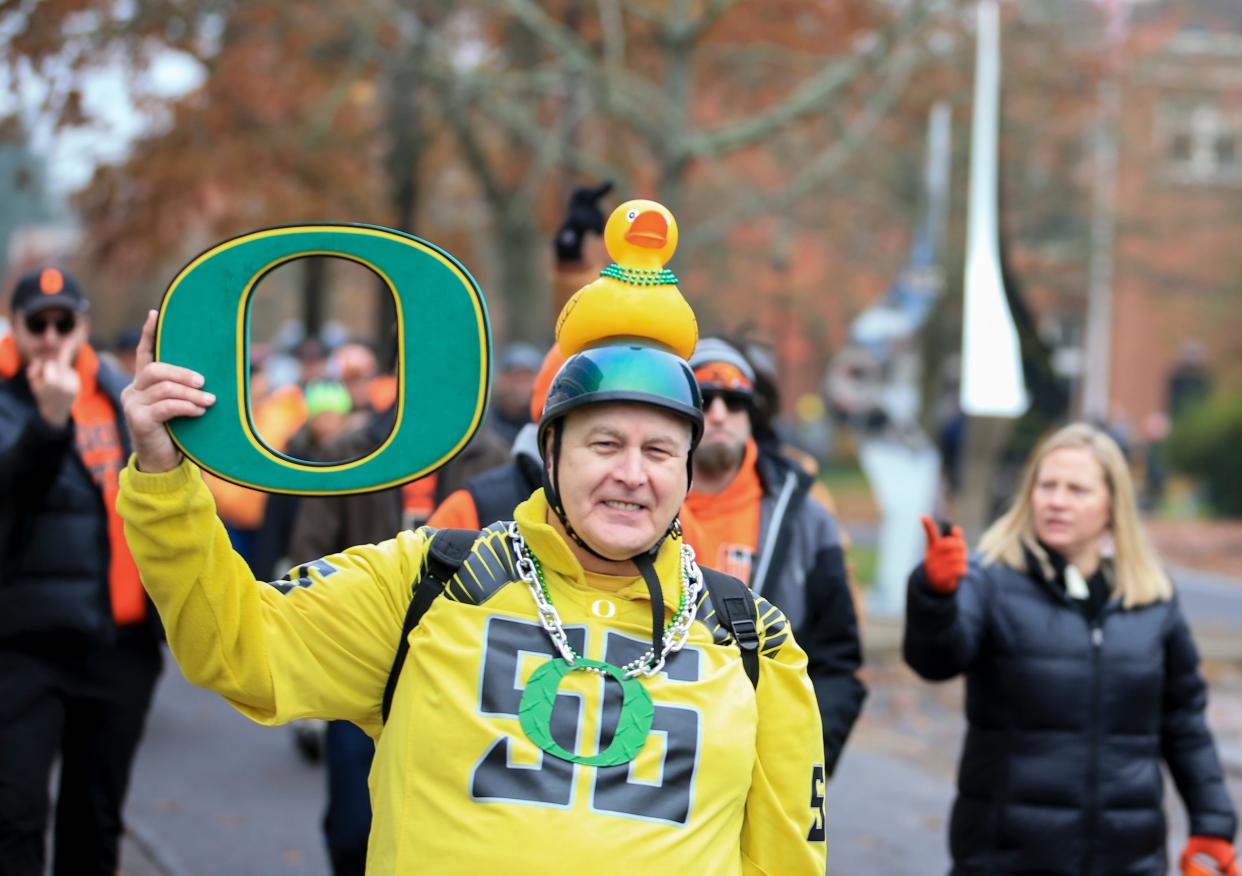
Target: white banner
(992,382)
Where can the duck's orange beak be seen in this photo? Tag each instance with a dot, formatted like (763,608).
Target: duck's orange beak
(649,229)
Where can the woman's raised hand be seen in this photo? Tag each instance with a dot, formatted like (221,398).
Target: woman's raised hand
(944,561)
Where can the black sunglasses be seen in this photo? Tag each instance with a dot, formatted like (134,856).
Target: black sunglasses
(37,323)
(735,402)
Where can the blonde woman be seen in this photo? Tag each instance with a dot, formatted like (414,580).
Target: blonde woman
(1081,677)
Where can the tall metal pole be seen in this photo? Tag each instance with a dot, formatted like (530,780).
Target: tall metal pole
(1099,329)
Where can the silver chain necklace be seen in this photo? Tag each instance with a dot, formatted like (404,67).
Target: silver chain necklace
(675,635)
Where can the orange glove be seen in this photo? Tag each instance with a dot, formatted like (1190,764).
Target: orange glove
(1200,850)
(944,562)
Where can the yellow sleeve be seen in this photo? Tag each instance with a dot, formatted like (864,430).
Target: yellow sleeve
(783,834)
(318,644)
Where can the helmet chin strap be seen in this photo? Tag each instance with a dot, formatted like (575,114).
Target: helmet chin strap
(552,489)
(645,561)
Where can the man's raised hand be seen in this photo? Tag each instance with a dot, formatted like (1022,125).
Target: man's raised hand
(55,384)
(159,393)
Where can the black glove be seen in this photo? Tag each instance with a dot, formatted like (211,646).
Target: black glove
(582,214)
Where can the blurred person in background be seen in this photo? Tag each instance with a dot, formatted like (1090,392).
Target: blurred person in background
(328,405)
(1155,468)
(516,368)
(124,347)
(312,358)
(355,367)
(79,641)
(1081,678)
(761,524)
(324,525)
(1189,380)
(328,408)
(278,406)
(493,494)
(764,424)
(575,267)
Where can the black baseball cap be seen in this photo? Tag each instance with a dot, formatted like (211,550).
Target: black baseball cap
(46,288)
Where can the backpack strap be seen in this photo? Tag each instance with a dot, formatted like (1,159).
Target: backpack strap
(447,550)
(736,610)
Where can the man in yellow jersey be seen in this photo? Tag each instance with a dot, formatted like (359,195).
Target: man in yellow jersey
(662,756)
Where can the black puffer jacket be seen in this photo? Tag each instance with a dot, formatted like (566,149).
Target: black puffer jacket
(54,547)
(1069,720)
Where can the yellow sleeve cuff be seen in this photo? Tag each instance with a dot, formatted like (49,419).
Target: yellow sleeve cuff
(169,481)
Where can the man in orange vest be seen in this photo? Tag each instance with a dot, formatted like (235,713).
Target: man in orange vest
(761,523)
(79,642)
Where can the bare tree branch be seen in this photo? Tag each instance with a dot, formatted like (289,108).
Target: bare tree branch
(623,95)
(691,31)
(456,114)
(814,175)
(613,26)
(812,95)
(514,115)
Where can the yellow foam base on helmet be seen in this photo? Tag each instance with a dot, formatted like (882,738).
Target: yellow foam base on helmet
(609,308)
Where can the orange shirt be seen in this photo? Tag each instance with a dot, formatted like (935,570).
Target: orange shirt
(418,500)
(457,511)
(728,521)
(277,417)
(99,445)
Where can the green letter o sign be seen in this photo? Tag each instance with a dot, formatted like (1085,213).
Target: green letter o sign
(444,346)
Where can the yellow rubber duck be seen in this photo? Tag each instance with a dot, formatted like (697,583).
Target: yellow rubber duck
(636,296)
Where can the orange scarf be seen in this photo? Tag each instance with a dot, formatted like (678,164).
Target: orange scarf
(99,446)
(728,521)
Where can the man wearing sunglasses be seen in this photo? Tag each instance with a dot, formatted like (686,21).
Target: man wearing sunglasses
(79,652)
(760,523)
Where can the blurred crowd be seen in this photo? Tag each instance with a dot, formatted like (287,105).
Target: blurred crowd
(1066,592)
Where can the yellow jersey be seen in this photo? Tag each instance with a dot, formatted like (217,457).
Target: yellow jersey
(729,780)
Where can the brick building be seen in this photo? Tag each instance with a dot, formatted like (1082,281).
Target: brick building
(1178,254)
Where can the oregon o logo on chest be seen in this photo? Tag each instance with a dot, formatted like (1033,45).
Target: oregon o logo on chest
(444,348)
(604,608)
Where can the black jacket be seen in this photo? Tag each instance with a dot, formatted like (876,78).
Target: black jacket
(800,567)
(322,525)
(498,491)
(53,526)
(1068,722)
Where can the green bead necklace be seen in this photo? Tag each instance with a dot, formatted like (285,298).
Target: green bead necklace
(637,710)
(640,276)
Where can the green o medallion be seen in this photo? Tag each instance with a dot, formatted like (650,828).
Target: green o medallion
(633,724)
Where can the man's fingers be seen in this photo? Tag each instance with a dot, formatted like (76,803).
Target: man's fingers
(161,372)
(171,408)
(145,353)
(171,389)
(63,357)
(958,534)
(929,529)
(155,413)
